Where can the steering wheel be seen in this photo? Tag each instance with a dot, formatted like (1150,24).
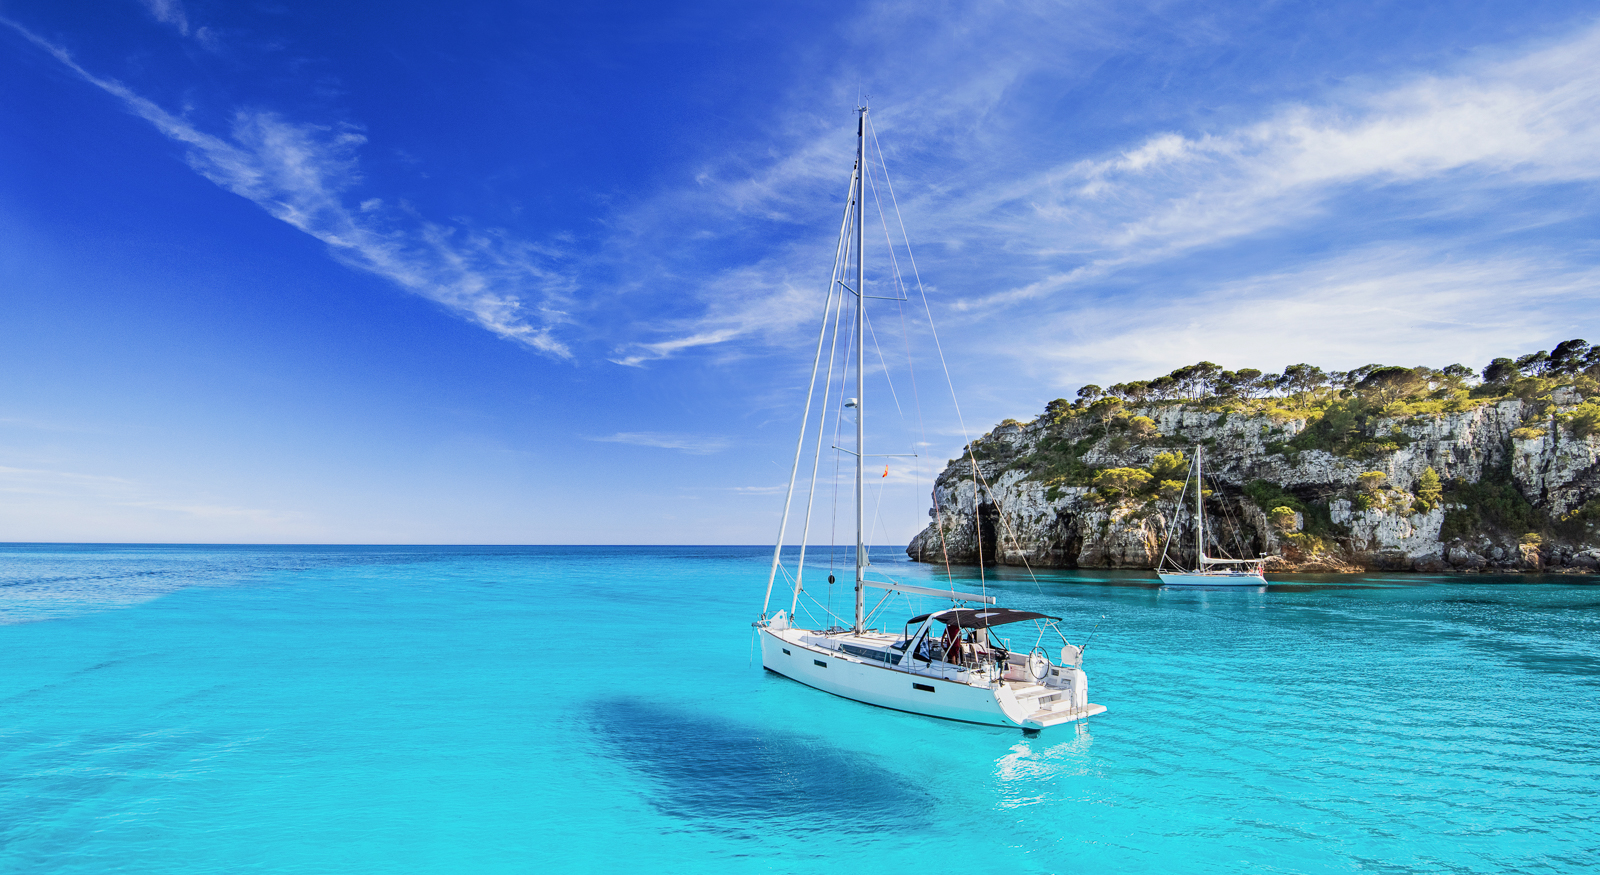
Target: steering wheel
(1038,664)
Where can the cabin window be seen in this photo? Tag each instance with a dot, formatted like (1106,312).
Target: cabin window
(786,652)
(869,653)
(926,688)
(819,662)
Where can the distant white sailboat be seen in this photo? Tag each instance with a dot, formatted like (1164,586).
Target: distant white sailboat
(964,672)
(1207,571)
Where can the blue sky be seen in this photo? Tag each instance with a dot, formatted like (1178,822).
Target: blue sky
(549,273)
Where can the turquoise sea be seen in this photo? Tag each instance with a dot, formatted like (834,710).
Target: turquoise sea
(486,710)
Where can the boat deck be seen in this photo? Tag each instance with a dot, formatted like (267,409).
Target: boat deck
(1047,701)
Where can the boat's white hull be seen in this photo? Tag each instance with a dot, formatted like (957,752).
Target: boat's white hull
(1215,578)
(934,694)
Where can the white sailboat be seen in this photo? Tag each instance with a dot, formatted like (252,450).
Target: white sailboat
(1208,570)
(946,663)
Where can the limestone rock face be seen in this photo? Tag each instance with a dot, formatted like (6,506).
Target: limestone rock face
(1018,509)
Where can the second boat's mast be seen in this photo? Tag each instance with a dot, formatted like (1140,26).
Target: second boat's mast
(861,348)
(1199,509)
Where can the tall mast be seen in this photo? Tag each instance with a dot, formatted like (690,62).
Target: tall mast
(861,358)
(1199,510)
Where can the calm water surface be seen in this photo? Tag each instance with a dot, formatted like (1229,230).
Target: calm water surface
(208,710)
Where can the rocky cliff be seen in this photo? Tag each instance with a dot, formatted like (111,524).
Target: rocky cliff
(1336,482)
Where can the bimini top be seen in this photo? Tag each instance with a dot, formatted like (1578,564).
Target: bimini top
(980,618)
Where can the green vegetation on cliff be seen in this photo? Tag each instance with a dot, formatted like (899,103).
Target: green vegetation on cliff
(1356,414)
(1493,503)
(1303,386)
(1318,521)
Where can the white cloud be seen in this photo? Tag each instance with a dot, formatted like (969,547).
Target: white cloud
(1448,144)
(301,174)
(169,12)
(75,489)
(1390,304)
(644,352)
(1529,121)
(172,12)
(778,489)
(1011,224)
(43,481)
(753,300)
(699,445)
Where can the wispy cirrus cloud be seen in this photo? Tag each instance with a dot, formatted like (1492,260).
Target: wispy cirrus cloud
(1029,238)
(775,489)
(46,504)
(305,175)
(169,12)
(45,480)
(698,445)
(175,15)
(739,302)
(110,491)
(1528,121)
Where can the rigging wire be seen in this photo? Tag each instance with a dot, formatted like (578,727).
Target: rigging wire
(977,473)
(1006,526)
(898,283)
(938,515)
(840,259)
(827,614)
(788,499)
(1227,514)
(838,417)
(1173,526)
(838,424)
(885,364)
(805,418)
(894,271)
(816,461)
(905,333)
(877,511)
(943,364)
(899,278)
(874,612)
